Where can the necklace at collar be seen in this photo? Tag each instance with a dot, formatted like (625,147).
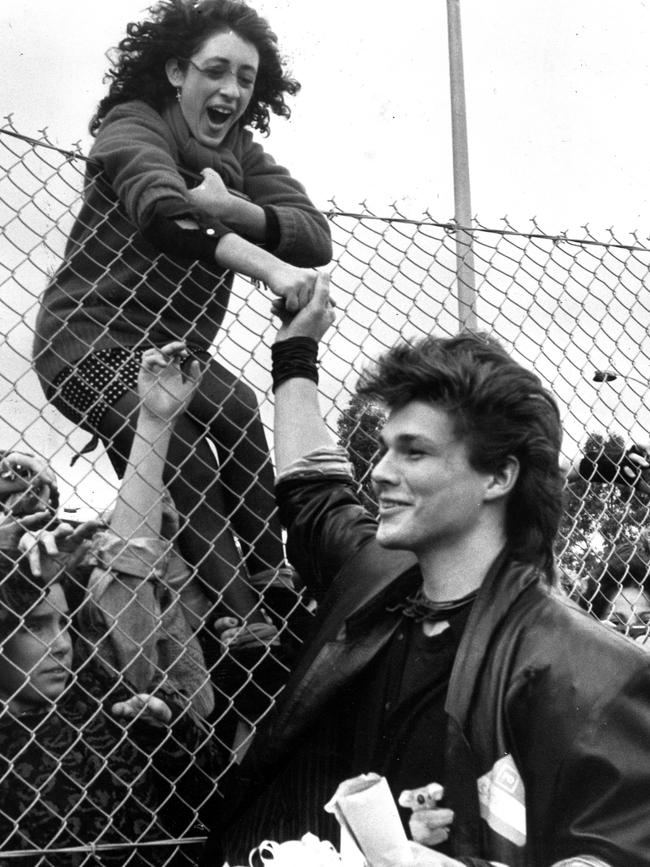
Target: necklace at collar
(419,608)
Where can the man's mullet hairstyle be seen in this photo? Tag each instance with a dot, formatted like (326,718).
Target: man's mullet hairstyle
(500,410)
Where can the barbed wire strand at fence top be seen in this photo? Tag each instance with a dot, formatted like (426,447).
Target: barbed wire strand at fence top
(336,212)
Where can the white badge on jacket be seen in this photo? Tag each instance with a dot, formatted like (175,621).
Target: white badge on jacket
(502,800)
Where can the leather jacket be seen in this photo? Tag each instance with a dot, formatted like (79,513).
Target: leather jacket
(548,748)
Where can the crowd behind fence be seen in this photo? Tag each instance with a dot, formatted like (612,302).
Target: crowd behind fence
(575,309)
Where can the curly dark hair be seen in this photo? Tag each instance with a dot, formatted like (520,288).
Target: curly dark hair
(178,29)
(499,409)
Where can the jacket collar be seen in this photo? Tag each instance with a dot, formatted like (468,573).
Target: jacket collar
(505,581)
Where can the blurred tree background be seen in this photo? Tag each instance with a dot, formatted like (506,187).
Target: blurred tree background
(358,430)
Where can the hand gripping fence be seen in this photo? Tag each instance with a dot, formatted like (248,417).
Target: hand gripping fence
(575,309)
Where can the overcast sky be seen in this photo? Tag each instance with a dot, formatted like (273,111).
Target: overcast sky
(557,95)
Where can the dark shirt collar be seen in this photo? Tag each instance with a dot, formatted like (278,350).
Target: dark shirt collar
(405,585)
(397,591)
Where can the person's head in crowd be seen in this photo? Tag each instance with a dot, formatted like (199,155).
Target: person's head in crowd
(611,462)
(28,486)
(35,641)
(623,592)
(180,52)
(506,420)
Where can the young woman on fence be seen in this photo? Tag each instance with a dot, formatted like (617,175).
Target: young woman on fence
(91,753)
(177,196)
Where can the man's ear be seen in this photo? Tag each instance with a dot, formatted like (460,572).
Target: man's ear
(175,74)
(503,480)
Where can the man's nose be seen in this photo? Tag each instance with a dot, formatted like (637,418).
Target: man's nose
(383,473)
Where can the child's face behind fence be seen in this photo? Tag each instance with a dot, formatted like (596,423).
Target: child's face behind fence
(35,660)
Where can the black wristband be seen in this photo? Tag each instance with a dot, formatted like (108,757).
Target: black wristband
(294,357)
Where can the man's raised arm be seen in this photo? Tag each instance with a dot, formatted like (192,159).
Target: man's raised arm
(299,425)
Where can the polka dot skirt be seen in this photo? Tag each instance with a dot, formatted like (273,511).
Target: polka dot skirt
(99,381)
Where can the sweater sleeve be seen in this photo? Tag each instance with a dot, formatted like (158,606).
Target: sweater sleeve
(303,232)
(136,153)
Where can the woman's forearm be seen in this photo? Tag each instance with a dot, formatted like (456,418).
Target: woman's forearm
(238,254)
(138,511)
(246,218)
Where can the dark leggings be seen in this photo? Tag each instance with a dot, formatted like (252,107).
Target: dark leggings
(205,491)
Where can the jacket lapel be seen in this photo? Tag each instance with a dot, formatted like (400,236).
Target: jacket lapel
(328,661)
(504,583)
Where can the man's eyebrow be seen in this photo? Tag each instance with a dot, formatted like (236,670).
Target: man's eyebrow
(406,439)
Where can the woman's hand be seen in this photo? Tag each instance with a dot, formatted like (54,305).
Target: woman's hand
(166,382)
(294,286)
(12,529)
(145,707)
(314,319)
(64,538)
(211,198)
(234,633)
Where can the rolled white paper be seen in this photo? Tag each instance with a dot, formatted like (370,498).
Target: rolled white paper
(365,807)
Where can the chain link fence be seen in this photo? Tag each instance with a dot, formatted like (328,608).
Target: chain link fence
(575,309)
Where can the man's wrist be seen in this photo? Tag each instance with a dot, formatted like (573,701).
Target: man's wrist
(294,357)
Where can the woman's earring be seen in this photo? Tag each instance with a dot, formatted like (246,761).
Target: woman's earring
(178,94)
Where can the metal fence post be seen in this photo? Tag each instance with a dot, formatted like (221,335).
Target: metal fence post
(462,202)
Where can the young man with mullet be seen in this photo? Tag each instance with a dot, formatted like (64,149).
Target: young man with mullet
(442,651)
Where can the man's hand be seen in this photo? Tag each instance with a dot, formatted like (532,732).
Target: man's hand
(429,824)
(166,382)
(145,707)
(314,319)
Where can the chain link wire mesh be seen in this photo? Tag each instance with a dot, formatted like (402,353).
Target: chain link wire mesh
(575,309)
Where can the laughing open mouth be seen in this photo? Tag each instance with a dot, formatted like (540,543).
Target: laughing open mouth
(219,115)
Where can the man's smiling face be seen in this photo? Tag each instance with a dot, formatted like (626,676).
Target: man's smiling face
(426,488)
